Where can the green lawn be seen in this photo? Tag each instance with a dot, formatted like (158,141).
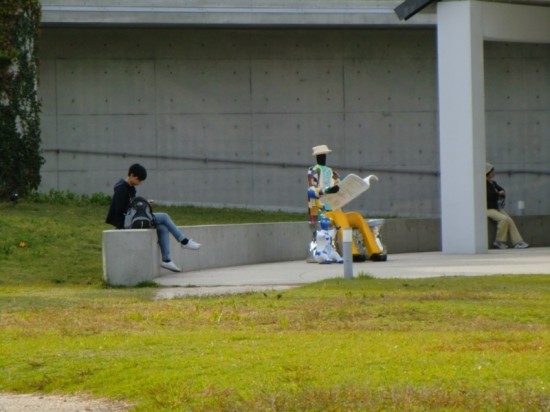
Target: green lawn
(443,344)
(57,238)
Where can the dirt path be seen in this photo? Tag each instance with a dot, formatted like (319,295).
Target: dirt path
(53,403)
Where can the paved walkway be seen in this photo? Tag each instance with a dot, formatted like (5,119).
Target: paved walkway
(283,275)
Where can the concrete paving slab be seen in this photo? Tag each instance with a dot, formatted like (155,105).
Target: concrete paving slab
(281,275)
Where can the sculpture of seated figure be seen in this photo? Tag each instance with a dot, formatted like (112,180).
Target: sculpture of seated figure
(323,180)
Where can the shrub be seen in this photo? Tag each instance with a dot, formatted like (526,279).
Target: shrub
(20,158)
(60,197)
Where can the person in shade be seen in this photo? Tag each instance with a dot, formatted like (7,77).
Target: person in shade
(506,228)
(124,192)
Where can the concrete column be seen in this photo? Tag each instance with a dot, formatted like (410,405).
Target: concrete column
(462,127)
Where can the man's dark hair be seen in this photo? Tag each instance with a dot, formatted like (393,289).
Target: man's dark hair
(138,171)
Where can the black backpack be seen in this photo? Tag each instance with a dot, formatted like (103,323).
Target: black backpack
(139,215)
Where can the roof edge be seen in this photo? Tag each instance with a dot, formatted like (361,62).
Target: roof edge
(315,14)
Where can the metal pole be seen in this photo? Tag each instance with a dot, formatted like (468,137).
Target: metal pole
(346,247)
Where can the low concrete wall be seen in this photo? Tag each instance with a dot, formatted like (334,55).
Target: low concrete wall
(411,235)
(535,230)
(424,235)
(132,256)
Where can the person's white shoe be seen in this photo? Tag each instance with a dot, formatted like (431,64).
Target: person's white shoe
(521,245)
(500,245)
(191,244)
(170,266)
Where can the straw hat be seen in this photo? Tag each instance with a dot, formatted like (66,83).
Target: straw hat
(322,149)
(488,168)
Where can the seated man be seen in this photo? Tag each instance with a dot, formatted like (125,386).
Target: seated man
(124,192)
(324,180)
(505,225)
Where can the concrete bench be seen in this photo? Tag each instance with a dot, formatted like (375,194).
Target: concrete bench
(130,256)
(133,256)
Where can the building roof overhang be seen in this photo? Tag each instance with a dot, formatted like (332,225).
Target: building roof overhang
(234,13)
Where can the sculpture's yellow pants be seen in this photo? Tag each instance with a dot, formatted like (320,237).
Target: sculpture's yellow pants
(356,221)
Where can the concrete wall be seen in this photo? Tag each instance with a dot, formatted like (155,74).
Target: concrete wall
(229,116)
(424,235)
(517,100)
(225,245)
(233,245)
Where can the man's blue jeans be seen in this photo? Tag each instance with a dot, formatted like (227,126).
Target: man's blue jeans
(165,226)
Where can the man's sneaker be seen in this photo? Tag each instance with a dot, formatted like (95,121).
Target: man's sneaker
(191,244)
(521,245)
(500,245)
(170,266)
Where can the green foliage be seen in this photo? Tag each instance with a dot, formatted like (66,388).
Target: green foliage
(61,197)
(20,158)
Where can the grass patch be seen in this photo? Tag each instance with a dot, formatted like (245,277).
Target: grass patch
(366,344)
(56,238)
(441,344)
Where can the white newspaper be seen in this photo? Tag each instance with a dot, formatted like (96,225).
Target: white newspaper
(350,187)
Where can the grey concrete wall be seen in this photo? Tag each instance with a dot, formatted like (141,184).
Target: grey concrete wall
(224,246)
(233,245)
(424,235)
(517,99)
(228,116)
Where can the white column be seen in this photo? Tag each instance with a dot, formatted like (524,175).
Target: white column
(461,127)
